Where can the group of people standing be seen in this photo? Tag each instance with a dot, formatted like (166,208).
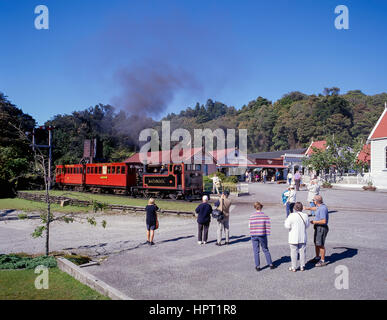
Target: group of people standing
(297,222)
(294,179)
(289,197)
(204,211)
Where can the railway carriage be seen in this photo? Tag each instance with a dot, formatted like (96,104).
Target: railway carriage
(175,181)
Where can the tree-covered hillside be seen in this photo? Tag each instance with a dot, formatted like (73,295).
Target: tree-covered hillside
(292,121)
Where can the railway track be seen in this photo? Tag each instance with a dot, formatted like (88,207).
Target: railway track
(87,203)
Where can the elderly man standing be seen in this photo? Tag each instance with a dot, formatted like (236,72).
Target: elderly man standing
(321,229)
(224,205)
(204,211)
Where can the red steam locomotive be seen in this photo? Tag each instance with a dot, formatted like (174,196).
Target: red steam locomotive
(175,181)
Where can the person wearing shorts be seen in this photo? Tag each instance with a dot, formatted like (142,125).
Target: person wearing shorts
(320,224)
(151,220)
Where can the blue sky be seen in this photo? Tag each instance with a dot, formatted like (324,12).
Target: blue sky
(230,51)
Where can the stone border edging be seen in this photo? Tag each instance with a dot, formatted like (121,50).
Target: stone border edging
(91,281)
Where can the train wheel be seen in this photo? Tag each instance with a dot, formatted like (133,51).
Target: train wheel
(173,196)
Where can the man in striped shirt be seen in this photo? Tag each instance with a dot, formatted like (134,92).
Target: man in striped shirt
(259,225)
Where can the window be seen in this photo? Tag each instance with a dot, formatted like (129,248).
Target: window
(80,170)
(123,170)
(113,170)
(118,170)
(100,170)
(88,169)
(385,158)
(198,167)
(108,170)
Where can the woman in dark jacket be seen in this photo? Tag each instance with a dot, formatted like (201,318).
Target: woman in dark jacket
(204,217)
(151,220)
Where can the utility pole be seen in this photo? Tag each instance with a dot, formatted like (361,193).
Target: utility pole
(49,146)
(47,178)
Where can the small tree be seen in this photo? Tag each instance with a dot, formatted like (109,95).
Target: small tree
(42,167)
(319,160)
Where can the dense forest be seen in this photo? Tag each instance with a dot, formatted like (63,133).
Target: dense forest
(290,122)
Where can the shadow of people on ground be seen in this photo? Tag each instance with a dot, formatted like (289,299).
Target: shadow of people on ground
(348,253)
(283,259)
(176,239)
(241,238)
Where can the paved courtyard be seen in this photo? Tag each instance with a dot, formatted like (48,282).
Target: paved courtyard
(178,268)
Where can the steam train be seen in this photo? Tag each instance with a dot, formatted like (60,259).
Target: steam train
(175,181)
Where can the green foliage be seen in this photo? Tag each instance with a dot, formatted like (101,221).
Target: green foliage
(222,177)
(15,154)
(92,221)
(294,120)
(14,261)
(99,206)
(22,216)
(38,232)
(326,184)
(339,157)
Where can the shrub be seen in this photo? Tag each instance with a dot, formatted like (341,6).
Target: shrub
(326,185)
(15,261)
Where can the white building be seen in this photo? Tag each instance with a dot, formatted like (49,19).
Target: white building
(378,140)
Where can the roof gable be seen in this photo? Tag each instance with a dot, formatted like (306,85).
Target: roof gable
(321,145)
(157,156)
(380,129)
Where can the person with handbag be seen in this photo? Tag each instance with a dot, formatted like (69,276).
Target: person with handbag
(151,221)
(297,222)
(204,211)
(223,205)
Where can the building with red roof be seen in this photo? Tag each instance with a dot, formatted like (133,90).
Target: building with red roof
(378,141)
(320,145)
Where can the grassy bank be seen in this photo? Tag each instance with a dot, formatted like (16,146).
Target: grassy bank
(20,285)
(121,200)
(28,206)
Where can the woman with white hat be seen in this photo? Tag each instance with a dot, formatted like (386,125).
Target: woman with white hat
(291,194)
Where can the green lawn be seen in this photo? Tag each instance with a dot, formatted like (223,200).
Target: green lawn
(28,206)
(122,200)
(20,285)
